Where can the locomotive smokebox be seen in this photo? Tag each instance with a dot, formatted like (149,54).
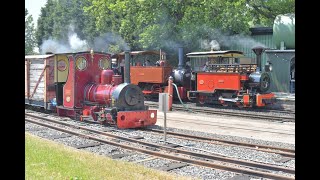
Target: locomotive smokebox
(181,61)
(258,51)
(126,67)
(181,75)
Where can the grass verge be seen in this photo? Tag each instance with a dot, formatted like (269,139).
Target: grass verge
(46,159)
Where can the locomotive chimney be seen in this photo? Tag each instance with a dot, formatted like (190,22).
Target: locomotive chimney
(181,62)
(126,67)
(258,51)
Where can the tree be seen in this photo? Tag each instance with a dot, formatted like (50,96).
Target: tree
(154,24)
(45,22)
(263,12)
(30,40)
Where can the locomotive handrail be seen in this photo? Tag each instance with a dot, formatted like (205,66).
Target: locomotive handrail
(241,68)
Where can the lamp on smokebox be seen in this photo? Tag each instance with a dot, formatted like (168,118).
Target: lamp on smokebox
(92,53)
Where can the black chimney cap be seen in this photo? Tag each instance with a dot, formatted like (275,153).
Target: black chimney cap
(258,49)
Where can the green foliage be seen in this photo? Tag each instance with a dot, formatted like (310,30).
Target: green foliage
(46,22)
(154,24)
(264,12)
(29,40)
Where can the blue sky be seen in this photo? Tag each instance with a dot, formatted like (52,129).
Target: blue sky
(34,7)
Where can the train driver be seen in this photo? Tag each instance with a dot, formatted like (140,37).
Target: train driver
(205,67)
(148,63)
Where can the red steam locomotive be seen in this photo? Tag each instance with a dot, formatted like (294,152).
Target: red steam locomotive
(213,77)
(82,85)
(220,77)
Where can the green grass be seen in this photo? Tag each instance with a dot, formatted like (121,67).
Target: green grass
(46,159)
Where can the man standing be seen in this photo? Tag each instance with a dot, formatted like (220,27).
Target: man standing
(205,67)
(147,63)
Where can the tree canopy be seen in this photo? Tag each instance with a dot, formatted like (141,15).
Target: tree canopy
(154,24)
(30,39)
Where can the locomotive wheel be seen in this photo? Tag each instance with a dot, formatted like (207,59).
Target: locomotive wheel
(202,99)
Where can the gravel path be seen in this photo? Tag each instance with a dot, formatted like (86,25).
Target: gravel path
(193,171)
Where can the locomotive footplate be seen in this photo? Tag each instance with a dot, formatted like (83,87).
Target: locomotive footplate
(263,99)
(193,94)
(135,119)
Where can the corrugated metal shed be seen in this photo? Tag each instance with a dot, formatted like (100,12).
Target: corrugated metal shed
(259,36)
(280,75)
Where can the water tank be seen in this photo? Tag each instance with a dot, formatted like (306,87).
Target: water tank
(284,30)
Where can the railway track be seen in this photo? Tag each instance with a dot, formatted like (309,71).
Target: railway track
(246,114)
(169,152)
(264,148)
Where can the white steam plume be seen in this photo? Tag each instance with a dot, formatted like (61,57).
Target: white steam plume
(74,44)
(103,42)
(54,46)
(212,45)
(241,40)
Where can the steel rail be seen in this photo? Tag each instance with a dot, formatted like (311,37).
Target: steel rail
(229,113)
(287,152)
(198,162)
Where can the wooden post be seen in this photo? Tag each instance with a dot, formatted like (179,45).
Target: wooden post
(170,91)
(27,78)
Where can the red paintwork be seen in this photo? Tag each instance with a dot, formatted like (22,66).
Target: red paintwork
(96,86)
(246,100)
(260,97)
(182,92)
(99,93)
(244,77)
(134,119)
(149,74)
(68,88)
(170,91)
(106,76)
(89,75)
(212,81)
(77,80)
(116,79)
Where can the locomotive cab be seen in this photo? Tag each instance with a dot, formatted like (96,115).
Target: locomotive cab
(149,70)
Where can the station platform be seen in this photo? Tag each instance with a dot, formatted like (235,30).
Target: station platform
(283,132)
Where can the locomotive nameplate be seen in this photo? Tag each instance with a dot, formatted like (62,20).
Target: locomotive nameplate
(62,65)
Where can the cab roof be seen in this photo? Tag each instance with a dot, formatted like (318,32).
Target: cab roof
(135,53)
(227,53)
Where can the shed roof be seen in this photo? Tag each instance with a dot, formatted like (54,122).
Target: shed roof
(261,30)
(134,53)
(227,53)
(42,56)
(279,51)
